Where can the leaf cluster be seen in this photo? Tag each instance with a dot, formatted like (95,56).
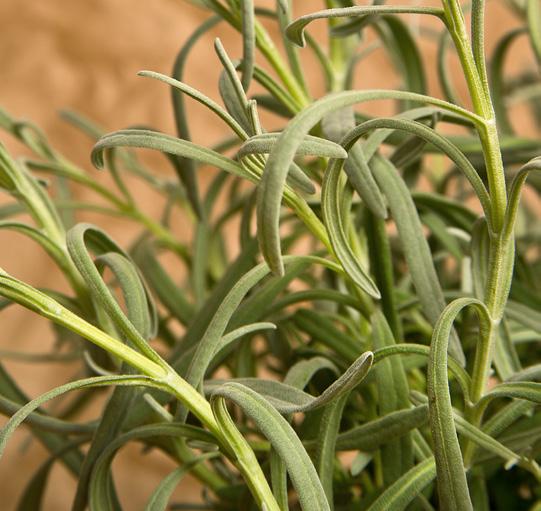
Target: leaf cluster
(408,330)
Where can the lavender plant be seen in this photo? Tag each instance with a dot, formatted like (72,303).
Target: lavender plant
(407,330)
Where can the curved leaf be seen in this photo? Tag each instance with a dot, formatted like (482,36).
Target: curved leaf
(283,439)
(515,192)
(430,135)
(452,484)
(201,98)
(167,144)
(332,202)
(287,399)
(98,381)
(232,92)
(295,30)
(77,239)
(273,179)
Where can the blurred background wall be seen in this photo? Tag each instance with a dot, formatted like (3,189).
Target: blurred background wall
(84,56)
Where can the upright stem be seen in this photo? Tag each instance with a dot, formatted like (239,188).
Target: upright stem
(501,248)
(268,49)
(478,38)
(339,53)
(482,104)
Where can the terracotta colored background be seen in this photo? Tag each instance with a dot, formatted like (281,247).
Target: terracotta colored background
(84,56)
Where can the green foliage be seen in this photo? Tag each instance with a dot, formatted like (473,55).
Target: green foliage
(364,343)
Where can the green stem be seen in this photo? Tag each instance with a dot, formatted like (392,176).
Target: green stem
(159,371)
(501,248)
(187,394)
(126,208)
(339,53)
(232,443)
(267,48)
(482,105)
(478,38)
(245,459)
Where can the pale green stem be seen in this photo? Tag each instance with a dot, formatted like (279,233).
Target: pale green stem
(338,52)
(267,48)
(159,371)
(245,458)
(235,447)
(188,395)
(185,393)
(500,267)
(482,105)
(161,233)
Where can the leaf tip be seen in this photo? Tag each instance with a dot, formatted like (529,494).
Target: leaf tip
(96,156)
(295,33)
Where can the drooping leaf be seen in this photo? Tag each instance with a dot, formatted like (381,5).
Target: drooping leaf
(332,200)
(287,399)
(273,180)
(284,440)
(295,31)
(452,484)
